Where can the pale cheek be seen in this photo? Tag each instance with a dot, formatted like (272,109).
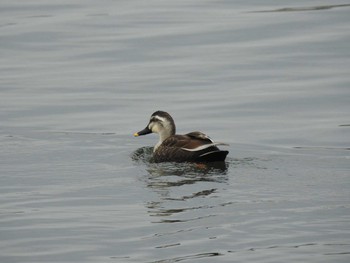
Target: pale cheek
(154,128)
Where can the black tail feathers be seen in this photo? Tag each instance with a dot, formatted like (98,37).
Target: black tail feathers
(214,156)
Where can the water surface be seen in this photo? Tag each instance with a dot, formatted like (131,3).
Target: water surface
(78,79)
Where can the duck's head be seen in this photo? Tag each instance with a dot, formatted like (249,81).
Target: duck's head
(160,122)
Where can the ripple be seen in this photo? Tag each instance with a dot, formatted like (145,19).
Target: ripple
(188,257)
(302,9)
(183,220)
(169,245)
(298,246)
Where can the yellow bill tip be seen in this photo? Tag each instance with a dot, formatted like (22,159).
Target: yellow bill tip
(136,134)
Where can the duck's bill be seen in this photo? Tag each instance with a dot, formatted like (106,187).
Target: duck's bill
(143,132)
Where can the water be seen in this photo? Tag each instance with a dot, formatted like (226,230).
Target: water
(78,79)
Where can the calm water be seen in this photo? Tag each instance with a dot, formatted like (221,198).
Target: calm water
(77,79)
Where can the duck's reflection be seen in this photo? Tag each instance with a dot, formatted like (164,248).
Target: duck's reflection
(178,185)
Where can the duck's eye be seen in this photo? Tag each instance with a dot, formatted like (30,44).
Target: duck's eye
(155,123)
(154,119)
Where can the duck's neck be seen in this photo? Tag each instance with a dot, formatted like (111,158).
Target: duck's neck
(163,135)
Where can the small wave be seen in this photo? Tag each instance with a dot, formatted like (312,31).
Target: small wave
(302,9)
(189,257)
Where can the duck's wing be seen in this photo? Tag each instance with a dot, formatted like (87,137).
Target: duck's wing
(180,141)
(203,141)
(199,136)
(193,141)
(194,146)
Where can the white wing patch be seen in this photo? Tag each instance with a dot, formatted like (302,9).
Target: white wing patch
(199,135)
(205,146)
(204,136)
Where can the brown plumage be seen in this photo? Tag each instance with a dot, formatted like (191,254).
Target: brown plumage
(191,147)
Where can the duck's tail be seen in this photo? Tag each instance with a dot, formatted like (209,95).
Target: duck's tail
(214,156)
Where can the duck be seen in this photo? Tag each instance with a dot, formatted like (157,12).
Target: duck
(191,147)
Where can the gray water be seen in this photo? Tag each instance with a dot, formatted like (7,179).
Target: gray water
(78,78)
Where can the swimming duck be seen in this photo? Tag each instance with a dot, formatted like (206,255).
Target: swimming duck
(190,147)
